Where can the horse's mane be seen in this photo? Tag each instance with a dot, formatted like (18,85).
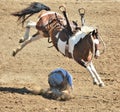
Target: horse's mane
(87,29)
(34,7)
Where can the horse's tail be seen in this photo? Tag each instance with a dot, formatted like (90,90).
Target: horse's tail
(34,7)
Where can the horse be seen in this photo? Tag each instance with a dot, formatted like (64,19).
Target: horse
(78,43)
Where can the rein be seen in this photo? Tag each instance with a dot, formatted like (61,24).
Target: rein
(104,45)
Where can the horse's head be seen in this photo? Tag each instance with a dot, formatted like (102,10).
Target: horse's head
(96,42)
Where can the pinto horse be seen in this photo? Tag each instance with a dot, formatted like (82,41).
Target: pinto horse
(81,44)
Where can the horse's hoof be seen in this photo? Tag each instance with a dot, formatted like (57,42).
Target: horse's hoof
(14,53)
(95,83)
(21,41)
(101,85)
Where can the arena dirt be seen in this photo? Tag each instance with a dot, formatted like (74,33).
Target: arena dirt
(32,65)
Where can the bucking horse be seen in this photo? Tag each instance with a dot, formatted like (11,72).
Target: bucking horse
(78,43)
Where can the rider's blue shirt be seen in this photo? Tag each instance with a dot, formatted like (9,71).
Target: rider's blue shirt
(56,78)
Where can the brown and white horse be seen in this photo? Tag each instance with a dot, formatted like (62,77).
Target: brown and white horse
(81,45)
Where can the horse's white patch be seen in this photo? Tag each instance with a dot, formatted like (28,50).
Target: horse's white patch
(87,29)
(96,41)
(30,24)
(74,39)
(61,46)
(57,35)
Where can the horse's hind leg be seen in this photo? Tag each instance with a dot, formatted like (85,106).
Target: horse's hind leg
(30,24)
(101,83)
(33,38)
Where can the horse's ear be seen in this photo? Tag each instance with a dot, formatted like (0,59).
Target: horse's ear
(93,32)
(75,23)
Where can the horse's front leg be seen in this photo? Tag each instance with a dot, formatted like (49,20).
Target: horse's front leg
(87,66)
(101,83)
(30,24)
(95,81)
(33,38)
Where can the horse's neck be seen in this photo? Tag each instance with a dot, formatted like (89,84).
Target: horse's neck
(87,29)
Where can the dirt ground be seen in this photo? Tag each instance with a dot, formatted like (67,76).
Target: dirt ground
(31,66)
